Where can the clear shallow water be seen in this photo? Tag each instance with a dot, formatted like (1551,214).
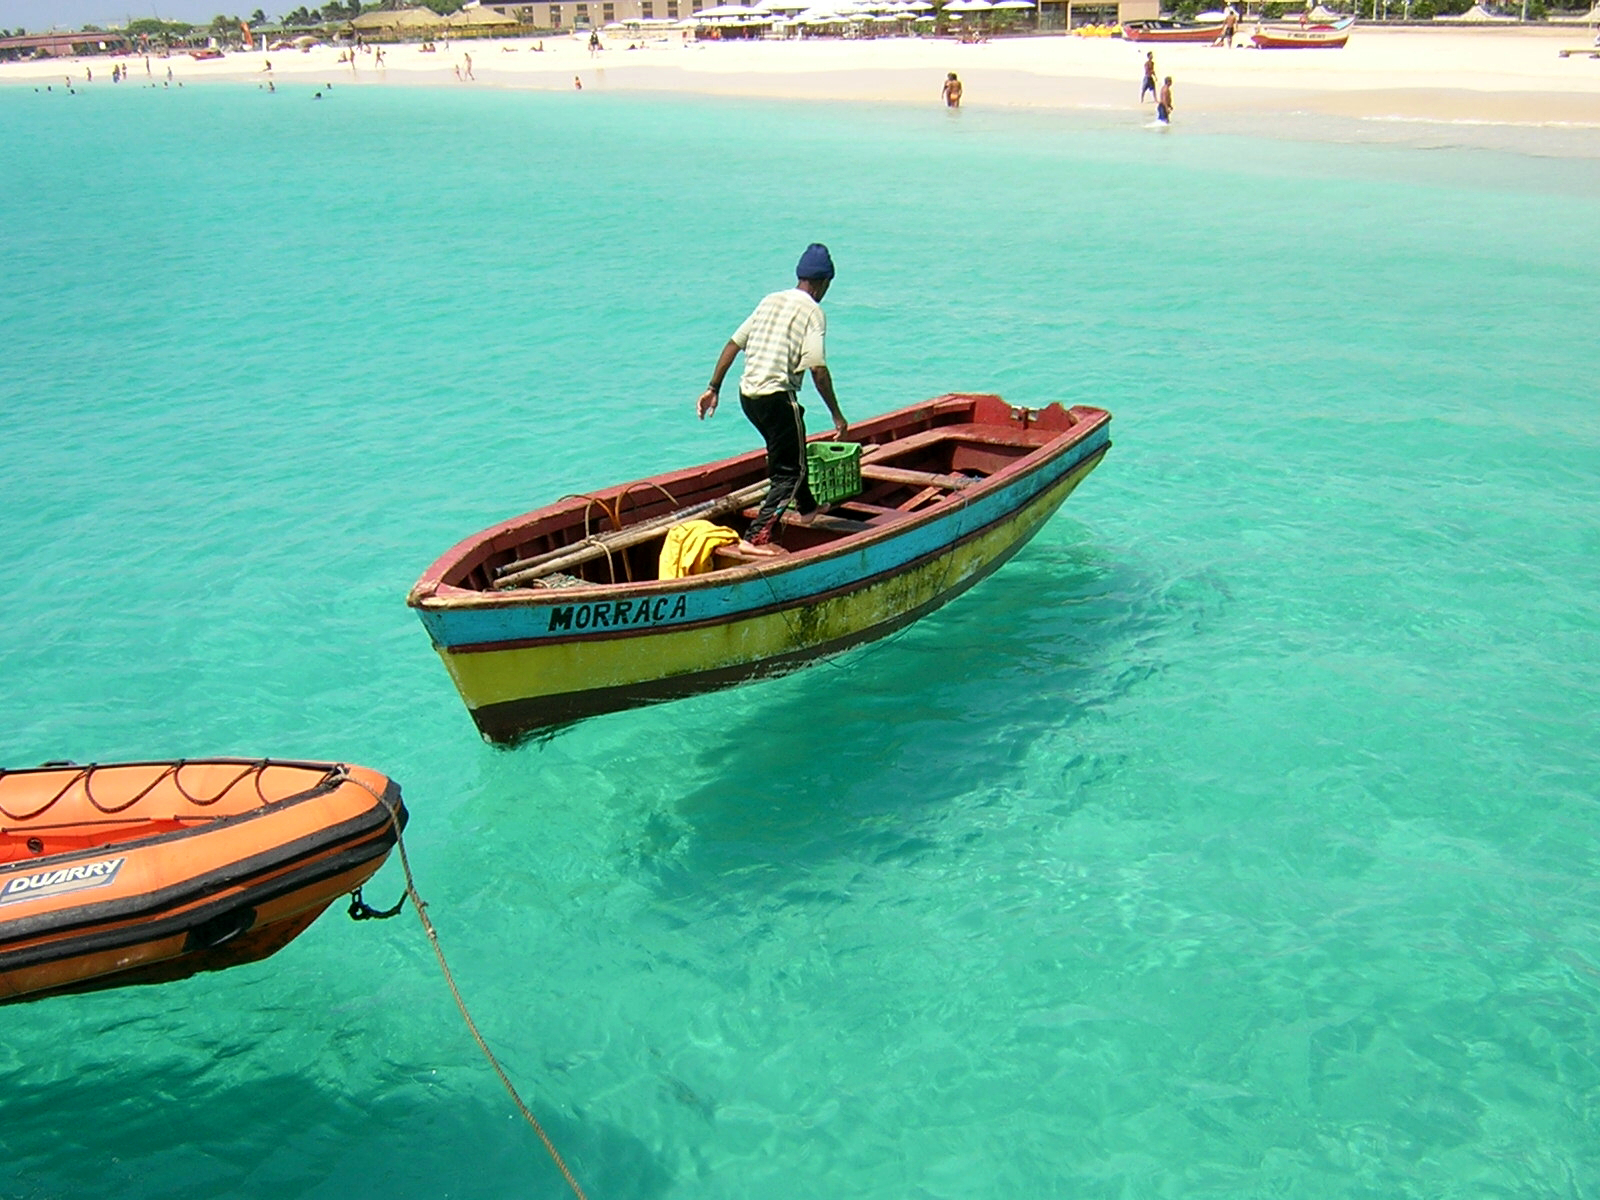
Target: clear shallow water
(1238,839)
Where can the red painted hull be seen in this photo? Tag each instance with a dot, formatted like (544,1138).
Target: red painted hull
(1138,31)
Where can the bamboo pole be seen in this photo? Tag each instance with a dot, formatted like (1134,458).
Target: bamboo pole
(517,573)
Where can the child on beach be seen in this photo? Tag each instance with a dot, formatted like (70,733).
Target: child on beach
(1164,104)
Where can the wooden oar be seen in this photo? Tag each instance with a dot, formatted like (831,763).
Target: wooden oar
(601,544)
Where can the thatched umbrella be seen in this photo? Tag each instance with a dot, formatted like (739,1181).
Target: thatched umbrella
(478,18)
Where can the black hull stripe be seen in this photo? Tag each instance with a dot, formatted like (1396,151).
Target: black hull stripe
(154,927)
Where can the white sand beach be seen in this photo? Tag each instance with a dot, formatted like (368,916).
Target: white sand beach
(1498,74)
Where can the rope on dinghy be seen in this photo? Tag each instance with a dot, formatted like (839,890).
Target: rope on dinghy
(421,908)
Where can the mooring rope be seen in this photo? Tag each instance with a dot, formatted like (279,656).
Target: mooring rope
(421,908)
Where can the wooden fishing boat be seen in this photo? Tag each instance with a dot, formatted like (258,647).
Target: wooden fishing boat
(148,872)
(1164,30)
(951,489)
(1325,36)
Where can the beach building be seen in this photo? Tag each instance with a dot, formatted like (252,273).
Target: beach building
(577,14)
(1065,14)
(64,45)
(490,19)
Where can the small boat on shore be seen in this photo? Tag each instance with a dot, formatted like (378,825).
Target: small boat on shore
(1323,36)
(541,620)
(125,873)
(1164,30)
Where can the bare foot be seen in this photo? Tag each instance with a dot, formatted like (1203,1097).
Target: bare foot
(753,551)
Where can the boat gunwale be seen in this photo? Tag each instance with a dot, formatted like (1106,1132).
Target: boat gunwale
(432,593)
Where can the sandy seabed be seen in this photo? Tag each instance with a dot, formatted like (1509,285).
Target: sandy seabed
(1497,74)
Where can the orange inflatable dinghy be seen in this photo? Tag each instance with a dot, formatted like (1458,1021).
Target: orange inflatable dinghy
(148,872)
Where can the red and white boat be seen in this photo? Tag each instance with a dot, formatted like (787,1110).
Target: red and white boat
(1322,36)
(1170,31)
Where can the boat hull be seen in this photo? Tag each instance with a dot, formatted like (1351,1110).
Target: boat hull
(154,905)
(758,647)
(1202,34)
(1314,37)
(543,663)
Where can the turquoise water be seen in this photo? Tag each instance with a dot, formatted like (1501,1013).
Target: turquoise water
(1237,839)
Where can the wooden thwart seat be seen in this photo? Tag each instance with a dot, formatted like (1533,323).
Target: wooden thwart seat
(981,435)
(924,478)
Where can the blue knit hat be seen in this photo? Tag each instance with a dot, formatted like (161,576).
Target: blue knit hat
(815,263)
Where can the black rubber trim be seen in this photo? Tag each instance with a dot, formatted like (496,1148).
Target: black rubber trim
(153,927)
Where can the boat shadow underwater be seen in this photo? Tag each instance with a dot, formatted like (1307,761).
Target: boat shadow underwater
(849,757)
(286,1134)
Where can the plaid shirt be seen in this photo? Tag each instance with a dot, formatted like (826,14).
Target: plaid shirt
(781,340)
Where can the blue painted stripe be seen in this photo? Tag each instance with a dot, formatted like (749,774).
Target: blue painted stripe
(542,618)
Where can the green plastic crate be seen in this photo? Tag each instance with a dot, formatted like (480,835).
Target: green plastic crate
(834,470)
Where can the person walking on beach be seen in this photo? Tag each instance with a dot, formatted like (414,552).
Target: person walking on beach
(952,91)
(781,340)
(1230,26)
(1164,104)
(467,67)
(1149,84)
(594,42)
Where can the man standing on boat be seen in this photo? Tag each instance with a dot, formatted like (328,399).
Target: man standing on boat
(781,340)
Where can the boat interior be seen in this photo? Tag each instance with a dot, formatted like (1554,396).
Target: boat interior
(912,463)
(66,808)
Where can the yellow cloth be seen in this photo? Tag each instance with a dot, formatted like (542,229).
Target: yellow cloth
(690,546)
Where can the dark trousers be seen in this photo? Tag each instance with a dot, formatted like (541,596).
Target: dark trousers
(782,424)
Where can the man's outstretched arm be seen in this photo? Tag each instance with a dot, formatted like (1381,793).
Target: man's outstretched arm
(824,381)
(708,398)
